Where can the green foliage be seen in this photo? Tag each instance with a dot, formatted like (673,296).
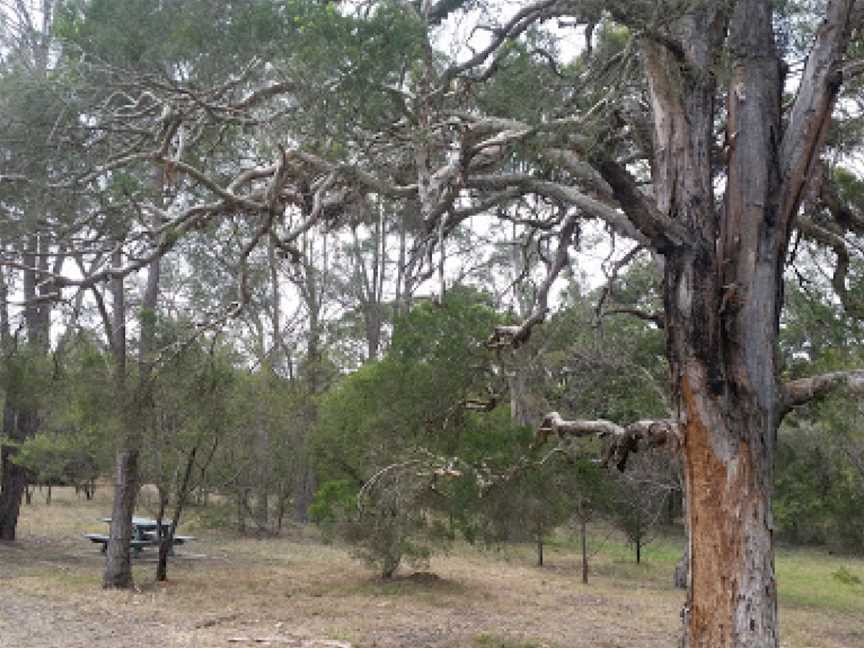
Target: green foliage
(613,369)
(819,488)
(389,413)
(815,334)
(387,522)
(411,398)
(540,499)
(26,378)
(200,33)
(526,86)
(335,500)
(639,497)
(190,409)
(56,458)
(350,66)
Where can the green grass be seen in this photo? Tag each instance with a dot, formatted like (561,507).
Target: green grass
(806,577)
(809,578)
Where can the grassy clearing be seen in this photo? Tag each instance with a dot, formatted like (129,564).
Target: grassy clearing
(224,586)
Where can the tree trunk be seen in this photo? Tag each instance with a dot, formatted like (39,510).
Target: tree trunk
(680,578)
(12,477)
(539,549)
(118,566)
(583,537)
(242,507)
(165,544)
(12,488)
(118,559)
(304,491)
(165,539)
(722,298)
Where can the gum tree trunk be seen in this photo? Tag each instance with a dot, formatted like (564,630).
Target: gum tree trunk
(722,301)
(723,284)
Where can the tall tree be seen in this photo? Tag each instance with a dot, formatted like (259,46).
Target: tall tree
(39,254)
(724,278)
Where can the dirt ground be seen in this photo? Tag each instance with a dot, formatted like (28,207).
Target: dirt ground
(226,591)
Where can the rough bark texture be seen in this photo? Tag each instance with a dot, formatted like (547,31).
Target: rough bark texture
(722,299)
(723,289)
(118,563)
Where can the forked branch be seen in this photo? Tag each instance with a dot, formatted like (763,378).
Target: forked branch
(517,335)
(621,440)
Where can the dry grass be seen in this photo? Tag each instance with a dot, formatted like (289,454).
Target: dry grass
(223,587)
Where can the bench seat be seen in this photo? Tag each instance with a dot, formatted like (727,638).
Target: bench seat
(136,544)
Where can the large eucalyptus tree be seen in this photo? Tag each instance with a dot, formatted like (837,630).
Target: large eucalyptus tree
(675,128)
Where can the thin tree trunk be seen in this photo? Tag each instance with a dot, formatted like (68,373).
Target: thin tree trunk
(17,426)
(242,507)
(539,549)
(118,560)
(164,539)
(679,579)
(583,537)
(12,475)
(166,542)
(118,566)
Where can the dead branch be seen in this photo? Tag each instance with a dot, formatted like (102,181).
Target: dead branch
(802,391)
(621,440)
(516,336)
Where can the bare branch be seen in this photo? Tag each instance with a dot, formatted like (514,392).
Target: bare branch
(516,336)
(622,440)
(561,193)
(811,113)
(655,317)
(663,232)
(802,391)
(521,21)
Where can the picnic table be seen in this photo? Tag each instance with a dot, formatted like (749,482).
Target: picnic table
(144,534)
